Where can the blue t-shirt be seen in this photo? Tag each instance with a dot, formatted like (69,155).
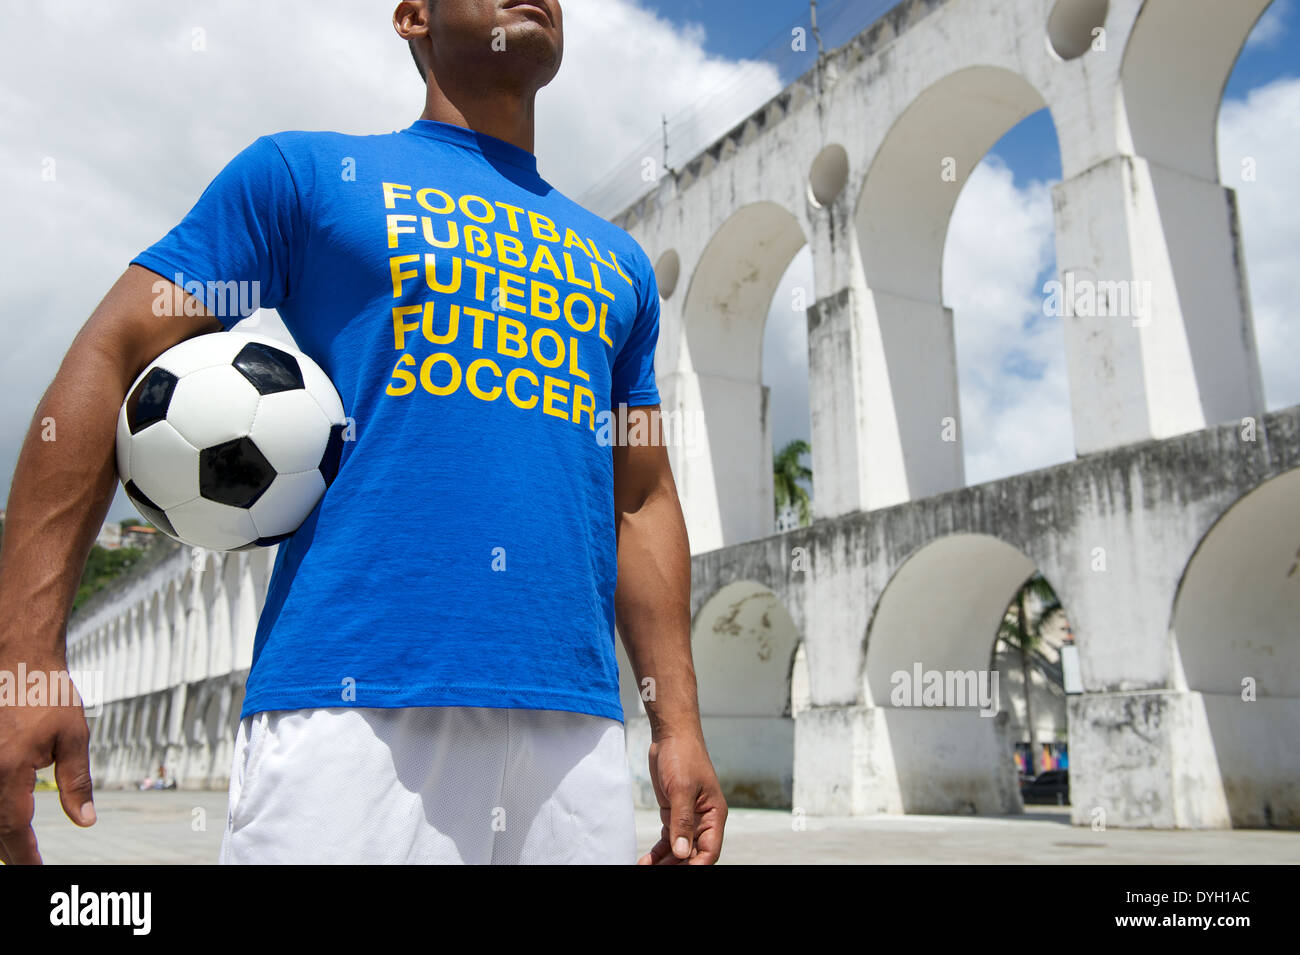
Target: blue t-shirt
(479,327)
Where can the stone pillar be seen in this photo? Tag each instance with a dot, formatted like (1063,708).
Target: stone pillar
(224,744)
(882,388)
(1152,294)
(723,467)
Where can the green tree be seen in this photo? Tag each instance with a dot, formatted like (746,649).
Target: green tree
(787,473)
(102,567)
(1027,618)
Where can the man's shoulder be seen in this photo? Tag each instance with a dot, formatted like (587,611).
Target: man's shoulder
(608,236)
(310,154)
(300,141)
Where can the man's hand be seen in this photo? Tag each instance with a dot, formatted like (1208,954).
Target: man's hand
(59,498)
(32,737)
(690,803)
(653,604)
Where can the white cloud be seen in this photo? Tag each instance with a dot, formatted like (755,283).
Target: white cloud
(140,105)
(1264,128)
(624,69)
(1010,357)
(1271,26)
(999,241)
(136,132)
(785,353)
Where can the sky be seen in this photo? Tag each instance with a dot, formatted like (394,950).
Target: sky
(1010,358)
(114,117)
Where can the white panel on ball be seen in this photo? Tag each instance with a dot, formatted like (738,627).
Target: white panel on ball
(225,465)
(212,406)
(205,523)
(287,502)
(167,466)
(123,447)
(290,430)
(201,351)
(322,389)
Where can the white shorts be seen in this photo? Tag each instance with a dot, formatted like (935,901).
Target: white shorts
(445,784)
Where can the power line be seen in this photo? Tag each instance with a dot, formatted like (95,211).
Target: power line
(689,131)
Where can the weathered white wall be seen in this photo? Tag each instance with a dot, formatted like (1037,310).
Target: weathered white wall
(874,149)
(174,644)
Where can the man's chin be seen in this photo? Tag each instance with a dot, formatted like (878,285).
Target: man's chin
(531,43)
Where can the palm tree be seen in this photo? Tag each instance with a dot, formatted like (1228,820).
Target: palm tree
(1022,627)
(787,472)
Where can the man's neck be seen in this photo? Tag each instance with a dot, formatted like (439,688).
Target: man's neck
(503,114)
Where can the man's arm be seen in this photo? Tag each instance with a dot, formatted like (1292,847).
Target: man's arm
(653,607)
(61,492)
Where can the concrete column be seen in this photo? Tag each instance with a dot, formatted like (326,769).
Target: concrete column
(216,608)
(148,647)
(162,633)
(1152,760)
(115,646)
(1153,298)
(880,759)
(196,626)
(882,369)
(179,634)
(224,743)
(134,639)
(724,477)
(246,614)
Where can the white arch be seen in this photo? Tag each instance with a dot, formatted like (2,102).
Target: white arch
(1236,646)
(1237,611)
(941,609)
(906,202)
(940,613)
(743,641)
(727,492)
(901,217)
(1176,64)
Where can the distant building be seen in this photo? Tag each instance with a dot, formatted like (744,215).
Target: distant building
(110,536)
(138,535)
(787,520)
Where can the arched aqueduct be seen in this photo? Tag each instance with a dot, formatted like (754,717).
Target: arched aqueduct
(1172,538)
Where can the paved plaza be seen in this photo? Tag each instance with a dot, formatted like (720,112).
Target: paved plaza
(184,827)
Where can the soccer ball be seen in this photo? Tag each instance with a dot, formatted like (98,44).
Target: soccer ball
(228,440)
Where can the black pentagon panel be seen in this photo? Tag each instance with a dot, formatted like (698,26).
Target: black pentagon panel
(148,509)
(329,461)
(270,369)
(149,399)
(234,473)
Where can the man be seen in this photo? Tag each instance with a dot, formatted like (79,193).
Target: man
(433,677)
